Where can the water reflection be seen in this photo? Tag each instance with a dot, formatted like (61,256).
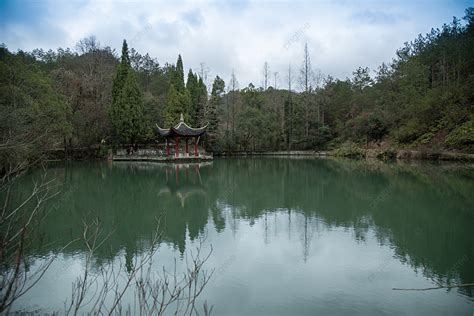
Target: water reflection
(425,213)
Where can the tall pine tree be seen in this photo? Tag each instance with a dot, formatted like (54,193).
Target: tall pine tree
(218,89)
(193,90)
(126,112)
(172,110)
(201,103)
(179,99)
(121,74)
(131,100)
(178,76)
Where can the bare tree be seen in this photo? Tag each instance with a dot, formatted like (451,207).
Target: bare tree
(306,83)
(266,75)
(289,77)
(204,73)
(85,83)
(275,80)
(172,290)
(168,290)
(88,44)
(23,143)
(306,78)
(318,81)
(326,95)
(17,223)
(234,87)
(289,114)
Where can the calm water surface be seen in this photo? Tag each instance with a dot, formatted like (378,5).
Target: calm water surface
(289,236)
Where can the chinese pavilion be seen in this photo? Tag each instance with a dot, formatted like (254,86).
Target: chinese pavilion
(181,131)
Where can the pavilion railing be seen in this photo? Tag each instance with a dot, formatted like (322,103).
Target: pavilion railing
(157,153)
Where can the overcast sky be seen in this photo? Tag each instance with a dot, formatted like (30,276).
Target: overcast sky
(341,35)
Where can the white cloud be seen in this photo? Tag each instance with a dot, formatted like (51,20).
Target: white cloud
(240,34)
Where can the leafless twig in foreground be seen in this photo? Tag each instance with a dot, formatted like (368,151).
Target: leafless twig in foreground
(436,288)
(16,226)
(102,293)
(173,290)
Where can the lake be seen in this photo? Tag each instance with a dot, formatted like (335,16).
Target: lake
(288,236)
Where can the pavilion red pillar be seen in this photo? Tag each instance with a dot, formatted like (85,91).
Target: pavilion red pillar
(176,145)
(186,147)
(196,147)
(167,148)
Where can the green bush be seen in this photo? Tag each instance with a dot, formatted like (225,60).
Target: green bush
(367,127)
(408,133)
(461,136)
(349,150)
(425,138)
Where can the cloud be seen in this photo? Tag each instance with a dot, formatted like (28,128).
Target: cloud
(193,17)
(377,17)
(226,35)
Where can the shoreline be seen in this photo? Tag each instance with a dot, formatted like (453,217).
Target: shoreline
(352,153)
(400,154)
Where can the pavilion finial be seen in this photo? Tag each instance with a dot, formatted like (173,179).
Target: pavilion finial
(181,118)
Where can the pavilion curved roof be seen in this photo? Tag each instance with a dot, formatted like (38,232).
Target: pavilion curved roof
(181,130)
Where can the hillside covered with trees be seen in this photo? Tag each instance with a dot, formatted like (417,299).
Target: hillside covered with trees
(423,98)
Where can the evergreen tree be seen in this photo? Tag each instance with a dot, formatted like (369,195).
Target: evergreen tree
(181,102)
(211,112)
(185,105)
(131,125)
(201,103)
(117,112)
(172,110)
(121,74)
(126,112)
(192,89)
(178,76)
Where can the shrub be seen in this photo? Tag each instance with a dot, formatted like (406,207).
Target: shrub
(349,150)
(368,127)
(408,133)
(425,138)
(461,136)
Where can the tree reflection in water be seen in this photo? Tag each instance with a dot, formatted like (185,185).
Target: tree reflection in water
(425,212)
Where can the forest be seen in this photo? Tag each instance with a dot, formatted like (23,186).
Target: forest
(93,96)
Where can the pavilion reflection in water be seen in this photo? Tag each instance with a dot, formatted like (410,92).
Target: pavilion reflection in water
(189,185)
